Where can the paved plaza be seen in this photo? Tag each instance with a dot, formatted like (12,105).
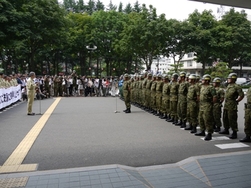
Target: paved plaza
(81,142)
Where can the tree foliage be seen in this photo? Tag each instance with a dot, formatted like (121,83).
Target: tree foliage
(51,37)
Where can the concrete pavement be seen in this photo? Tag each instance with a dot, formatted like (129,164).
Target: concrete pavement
(83,137)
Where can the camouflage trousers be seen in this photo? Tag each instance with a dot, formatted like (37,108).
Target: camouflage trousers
(182,109)
(206,119)
(153,100)
(217,114)
(148,98)
(127,99)
(192,113)
(247,128)
(159,101)
(230,119)
(173,109)
(143,96)
(132,95)
(165,105)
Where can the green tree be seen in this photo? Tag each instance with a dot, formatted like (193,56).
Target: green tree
(232,38)
(220,70)
(143,35)
(128,9)
(137,8)
(201,37)
(111,6)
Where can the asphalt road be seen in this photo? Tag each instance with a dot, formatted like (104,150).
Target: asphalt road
(85,131)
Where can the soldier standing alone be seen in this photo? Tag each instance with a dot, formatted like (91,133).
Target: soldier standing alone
(126,93)
(31,86)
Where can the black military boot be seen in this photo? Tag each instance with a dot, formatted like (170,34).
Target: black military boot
(184,124)
(217,129)
(208,137)
(188,128)
(128,111)
(233,135)
(164,116)
(168,117)
(171,120)
(194,130)
(225,131)
(125,110)
(202,133)
(246,139)
(179,123)
(175,121)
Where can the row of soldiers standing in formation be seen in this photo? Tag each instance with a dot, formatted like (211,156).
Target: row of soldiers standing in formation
(183,98)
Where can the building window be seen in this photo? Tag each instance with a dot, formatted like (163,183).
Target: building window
(190,54)
(190,63)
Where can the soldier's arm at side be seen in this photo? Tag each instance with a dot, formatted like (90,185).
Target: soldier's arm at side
(241,94)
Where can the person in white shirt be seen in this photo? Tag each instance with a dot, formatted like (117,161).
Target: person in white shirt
(104,87)
(70,80)
(96,84)
(80,86)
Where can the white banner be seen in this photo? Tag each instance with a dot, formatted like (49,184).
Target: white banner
(10,95)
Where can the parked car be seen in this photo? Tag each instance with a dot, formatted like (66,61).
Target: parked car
(241,81)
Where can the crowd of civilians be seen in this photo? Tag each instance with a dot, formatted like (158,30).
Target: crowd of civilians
(63,85)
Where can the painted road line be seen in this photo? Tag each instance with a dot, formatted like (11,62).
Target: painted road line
(218,138)
(14,162)
(231,146)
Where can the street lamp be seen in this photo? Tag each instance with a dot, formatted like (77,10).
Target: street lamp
(91,48)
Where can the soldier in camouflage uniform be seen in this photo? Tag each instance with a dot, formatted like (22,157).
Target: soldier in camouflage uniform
(166,99)
(153,96)
(233,96)
(174,87)
(132,90)
(126,93)
(247,128)
(47,85)
(182,102)
(136,86)
(140,90)
(159,88)
(207,99)
(192,100)
(144,82)
(218,105)
(148,92)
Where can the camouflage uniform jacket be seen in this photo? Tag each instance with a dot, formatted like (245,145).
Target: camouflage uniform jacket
(166,90)
(207,93)
(183,89)
(220,94)
(193,92)
(174,88)
(232,93)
